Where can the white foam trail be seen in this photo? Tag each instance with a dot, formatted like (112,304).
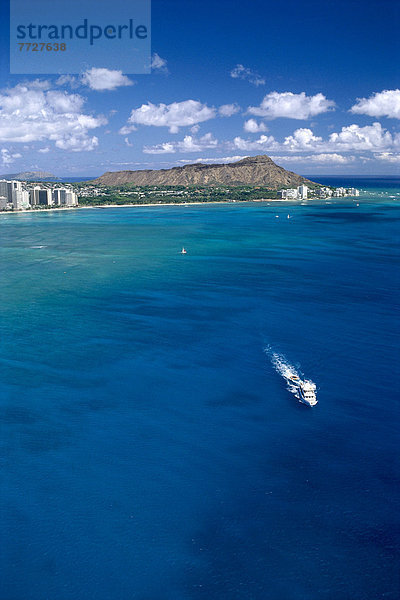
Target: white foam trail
(285,369)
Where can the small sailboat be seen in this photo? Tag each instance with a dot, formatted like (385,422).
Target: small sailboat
(183,251)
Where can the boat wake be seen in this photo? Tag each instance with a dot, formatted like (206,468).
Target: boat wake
(287,371)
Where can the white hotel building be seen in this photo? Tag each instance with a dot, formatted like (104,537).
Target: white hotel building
(14,195)
(299,193)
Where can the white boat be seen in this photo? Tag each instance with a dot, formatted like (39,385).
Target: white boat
(183,251)
(306,390)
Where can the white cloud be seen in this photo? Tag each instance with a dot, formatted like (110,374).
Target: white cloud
(195,129)
(187,145)
(242,72)
(7,158)
(351,138)
(210,161)
(227,110)
(126,129)
(128,143)
(251,126)
(389,157)
(158,63)
(175,115)
(291,106)
(76,143)
(332,158)
(100,79)
(69,80)
(380,104)
(302,139)
(44,150)
(370,137)
(264,142)
(164,148)
(31,112)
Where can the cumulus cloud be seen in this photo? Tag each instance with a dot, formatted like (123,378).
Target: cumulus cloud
(291,106)
(173,116)
(353,138)
(7,157)
(264,142)
(227,110)
(370,137)
(158,63)
(251,126)
(333,158)
(242,72)
(32,112)
(380,104)
(76,143)
(44,150)
(100,79)
(187,145)
(128,143)
(350,138)
(389,157)
(211,161)
(302,139)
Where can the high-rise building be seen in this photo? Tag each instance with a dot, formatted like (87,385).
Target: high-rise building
(303,191)
(45,197)
(59,196)
(41,196)
(15,196)
(20,199)
(64,197)
(9,188)
(3,189)
(71,199)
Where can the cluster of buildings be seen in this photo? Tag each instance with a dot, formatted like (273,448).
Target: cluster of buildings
(16,195)
(302,192)
(340,192)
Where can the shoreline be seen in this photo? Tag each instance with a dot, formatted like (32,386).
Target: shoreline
(81,207)
(37,210)
(185,203)
(147,205)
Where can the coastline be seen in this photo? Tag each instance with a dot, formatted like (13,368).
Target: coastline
(149,204)
(58,208)
(37,211)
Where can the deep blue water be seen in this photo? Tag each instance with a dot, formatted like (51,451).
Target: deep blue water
(76,179)
(368,184)
(72,179)
(150,451)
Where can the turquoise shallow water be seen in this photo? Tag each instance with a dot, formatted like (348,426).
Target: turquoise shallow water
(148,447)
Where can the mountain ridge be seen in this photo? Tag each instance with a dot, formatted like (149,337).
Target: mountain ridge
(251,170)
(29,176)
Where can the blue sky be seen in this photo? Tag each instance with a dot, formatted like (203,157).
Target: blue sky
(315,85)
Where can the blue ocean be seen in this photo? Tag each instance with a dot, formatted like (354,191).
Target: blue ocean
(151,450)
